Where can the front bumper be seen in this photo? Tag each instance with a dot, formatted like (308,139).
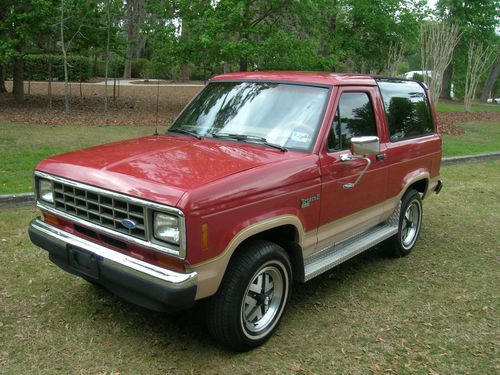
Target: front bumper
(136,281)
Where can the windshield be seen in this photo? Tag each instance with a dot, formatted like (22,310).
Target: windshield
(285,115)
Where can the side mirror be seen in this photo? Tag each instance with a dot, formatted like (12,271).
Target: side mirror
(369,145)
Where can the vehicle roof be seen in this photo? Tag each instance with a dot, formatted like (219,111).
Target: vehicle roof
(320,78)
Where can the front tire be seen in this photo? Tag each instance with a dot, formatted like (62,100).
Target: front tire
(410,222)
(252,296)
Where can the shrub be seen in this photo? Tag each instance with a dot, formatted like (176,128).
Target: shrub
(115,68)
(418,77)
(140,68)
(41,67)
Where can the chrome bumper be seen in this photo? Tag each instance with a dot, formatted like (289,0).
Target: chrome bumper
(139,282)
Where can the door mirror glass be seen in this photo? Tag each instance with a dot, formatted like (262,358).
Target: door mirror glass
(369,145)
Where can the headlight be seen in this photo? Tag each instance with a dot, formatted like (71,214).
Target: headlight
(46,190)
(166,228)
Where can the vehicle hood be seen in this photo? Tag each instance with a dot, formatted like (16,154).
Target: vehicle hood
(158,168)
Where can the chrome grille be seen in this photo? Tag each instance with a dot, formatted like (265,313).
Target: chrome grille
(100,209)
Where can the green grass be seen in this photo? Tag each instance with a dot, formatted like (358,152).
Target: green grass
(435,311)
(23,146)
(479,137)
(447,106)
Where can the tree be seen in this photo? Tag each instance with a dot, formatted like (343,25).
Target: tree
(108,39)
(2,79)
(134,17)
(437,42)
(477,20)
(394,58)
(492,77)
(478,60)
(22,25)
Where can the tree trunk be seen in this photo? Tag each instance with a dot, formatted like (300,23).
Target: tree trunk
(185,65)
(448,73)
(18,84)
(65,61)
(490,81)
(2,79)
(243,64)
(107,58)
(227,67)
(135,42)
(185,72)
(127,72)
(49,86)
(94,68)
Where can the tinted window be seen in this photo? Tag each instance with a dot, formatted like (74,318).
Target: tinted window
(407,108)
(284,114)
(354,118)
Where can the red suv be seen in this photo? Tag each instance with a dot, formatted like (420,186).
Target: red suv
(264,178)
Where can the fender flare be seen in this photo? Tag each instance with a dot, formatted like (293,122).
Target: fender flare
(211,272)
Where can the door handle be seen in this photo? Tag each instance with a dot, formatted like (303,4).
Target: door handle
(380,157)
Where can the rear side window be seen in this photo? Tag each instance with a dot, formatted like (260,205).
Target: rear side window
(354,118)
(407,108)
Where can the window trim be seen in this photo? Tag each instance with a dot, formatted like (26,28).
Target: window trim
(429,109)
(351,90)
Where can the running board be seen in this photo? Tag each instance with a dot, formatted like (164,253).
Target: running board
(332,256)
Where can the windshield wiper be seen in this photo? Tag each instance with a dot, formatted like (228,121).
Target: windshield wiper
(182,131)
(250,139)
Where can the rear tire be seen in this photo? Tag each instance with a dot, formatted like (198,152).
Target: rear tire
(251,299)
(410,222)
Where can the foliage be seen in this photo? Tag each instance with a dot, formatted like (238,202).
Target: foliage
(42,67)
(115,67)
(209,37)
(437,42)
(283,35)
(477,21)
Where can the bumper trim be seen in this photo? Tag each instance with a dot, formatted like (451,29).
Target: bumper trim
(134,280)
(438,187)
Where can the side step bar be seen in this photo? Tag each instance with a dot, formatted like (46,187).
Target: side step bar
(338,253)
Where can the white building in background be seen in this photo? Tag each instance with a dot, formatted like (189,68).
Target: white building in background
(410,74)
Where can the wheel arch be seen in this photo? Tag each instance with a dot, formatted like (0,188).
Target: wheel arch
(286,231)
(418,180)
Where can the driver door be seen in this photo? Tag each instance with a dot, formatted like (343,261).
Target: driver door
(348,211)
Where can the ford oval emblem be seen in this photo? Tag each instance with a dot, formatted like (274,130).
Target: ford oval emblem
(128,223)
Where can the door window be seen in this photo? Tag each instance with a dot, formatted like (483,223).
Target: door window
(354,118)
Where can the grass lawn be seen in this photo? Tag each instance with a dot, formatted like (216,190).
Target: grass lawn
(23,146)
(435,311)
(479,137)
(447,106)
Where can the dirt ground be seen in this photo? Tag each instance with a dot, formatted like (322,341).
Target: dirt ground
(136,105)
(132,105)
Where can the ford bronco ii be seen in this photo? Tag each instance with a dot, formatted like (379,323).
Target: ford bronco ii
(264,178)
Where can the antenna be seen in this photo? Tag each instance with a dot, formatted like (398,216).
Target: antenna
(157,104)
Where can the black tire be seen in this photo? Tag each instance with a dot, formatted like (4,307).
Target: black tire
(244,313)
(410,222)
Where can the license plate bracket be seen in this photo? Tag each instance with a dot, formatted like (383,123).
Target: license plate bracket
(84,262)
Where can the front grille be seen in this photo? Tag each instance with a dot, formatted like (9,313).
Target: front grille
(100,209)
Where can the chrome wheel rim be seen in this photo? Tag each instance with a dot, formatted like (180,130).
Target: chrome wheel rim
(411,224)
(263,300)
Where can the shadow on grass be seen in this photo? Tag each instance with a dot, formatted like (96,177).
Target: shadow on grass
(185,330)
